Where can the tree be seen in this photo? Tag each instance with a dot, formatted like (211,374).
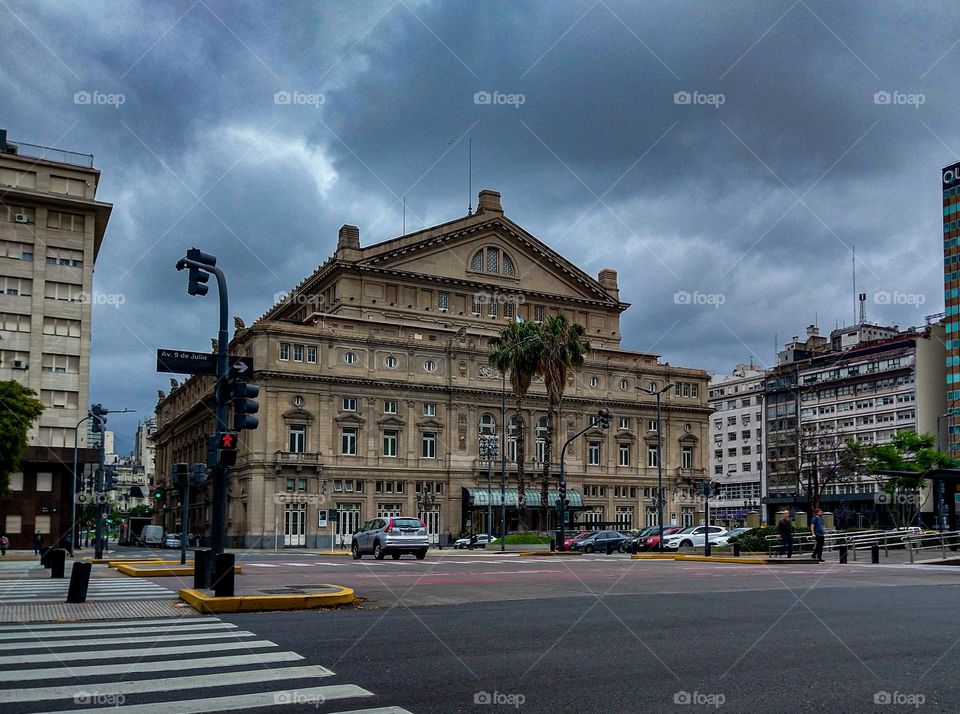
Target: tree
(904,464)
(828,457)
(19,409)
(514,352)
(140,510)
(560,346)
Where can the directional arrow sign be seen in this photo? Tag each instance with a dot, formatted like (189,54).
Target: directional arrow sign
(241,366)
(183,362)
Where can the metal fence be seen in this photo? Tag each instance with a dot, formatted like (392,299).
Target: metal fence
(911,542)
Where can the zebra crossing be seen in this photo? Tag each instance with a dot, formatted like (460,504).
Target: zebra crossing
(27,590)
(124,666)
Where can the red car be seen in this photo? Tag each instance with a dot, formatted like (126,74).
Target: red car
(651,542)
(568,541)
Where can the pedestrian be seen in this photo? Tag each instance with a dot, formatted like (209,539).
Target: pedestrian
(819,533)
(37,543)
(4,544)
(68,541)
(785,530)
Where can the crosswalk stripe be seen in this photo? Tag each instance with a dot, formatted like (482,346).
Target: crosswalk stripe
(22,675)
(377,710)
(137,652)
(194,635)
(191,622)
(29,635)
(235,702)
(196,681)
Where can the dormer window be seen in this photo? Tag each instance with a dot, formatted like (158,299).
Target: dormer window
(492,260)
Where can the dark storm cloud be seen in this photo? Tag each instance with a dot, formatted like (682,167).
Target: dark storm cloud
(730,217)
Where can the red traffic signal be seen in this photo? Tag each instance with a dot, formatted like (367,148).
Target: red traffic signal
(227,440)
(604,415)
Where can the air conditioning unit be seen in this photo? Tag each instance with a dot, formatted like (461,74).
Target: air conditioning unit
(21,218)
(19,364)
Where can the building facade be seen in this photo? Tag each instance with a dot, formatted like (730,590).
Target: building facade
(737,442)
(375,392)
(51,230)
(950,179)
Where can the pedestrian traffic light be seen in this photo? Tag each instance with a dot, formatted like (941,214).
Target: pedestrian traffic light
(199,476)
(604,415)
(226,448)
(197,278)
(245,406)
(158,494)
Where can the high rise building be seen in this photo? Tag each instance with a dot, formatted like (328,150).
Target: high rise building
(950,178)
(51,230)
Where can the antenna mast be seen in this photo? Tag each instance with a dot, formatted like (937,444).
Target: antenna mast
(854,265)
(470,179)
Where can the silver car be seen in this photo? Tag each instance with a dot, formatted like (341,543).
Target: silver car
(395,536)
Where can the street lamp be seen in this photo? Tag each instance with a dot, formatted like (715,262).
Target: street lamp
(489,450)
(659,393)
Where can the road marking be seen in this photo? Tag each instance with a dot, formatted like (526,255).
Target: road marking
(47,634)
(138,652)
(307,695)
(125,669)
(194,635)
(191,622)
(196,681)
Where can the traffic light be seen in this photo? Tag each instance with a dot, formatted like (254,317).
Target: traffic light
(245,406)
(197,278)
(227,448)
(180,473)
(157,494)
(199,476)
(109,478)
(99,415)
(604,415)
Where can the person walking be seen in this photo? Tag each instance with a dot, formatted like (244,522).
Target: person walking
(819,534)
(785,530)
(4,544)
(37,543)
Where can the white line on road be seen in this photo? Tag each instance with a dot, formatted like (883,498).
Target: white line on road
(138,652)
(194,635)
(28,634)
(190,622)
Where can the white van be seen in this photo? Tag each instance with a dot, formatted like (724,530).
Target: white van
(152,535)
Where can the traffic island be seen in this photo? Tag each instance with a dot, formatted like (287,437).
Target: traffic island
(159,570)
(108,561)
(254,599)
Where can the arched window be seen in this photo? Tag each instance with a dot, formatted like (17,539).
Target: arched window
(488,425)
(492,260)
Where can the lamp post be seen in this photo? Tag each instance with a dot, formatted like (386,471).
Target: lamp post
(939,491)
(659,393)
(489,450)
(425,501)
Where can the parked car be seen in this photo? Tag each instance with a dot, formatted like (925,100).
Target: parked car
(395,536)
(691,537)
(480,540)
(600,541)
(567,542)
(726,537)
(652,541)
(633,542)
(172,540)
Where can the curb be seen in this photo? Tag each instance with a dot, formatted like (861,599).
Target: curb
(653,556)
(146,561)
(332,552)
(548,553)
(136,571)
(204,603)
(744,560)
(101,561)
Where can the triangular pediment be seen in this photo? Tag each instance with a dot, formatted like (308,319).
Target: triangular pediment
(533,265)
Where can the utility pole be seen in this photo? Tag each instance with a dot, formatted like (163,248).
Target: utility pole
(604,422)
(660,497)
(99,414)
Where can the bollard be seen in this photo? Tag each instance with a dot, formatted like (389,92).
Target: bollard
(736,550)
(874,553)
(201,568)
(609,548)
(56,560)
(910,548)
(843,553)
(44,552)
(223,575)
(553,545)
(79,580)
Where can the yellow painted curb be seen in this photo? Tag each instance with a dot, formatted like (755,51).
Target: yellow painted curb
(547,553)
(333,552)
(202,602)
(121,560)
(157,561)
(136,571)
(654,556)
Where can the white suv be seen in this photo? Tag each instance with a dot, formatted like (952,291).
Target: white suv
(395,536)
(691,537)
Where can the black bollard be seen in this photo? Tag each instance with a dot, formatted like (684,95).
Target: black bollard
(57,559)
(201,568)
(223,575)
(843,553)
(79,580)
(736,550)
(874,553)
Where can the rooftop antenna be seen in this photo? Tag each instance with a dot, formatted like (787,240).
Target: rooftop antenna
(863,308)
(854,266)
(470,179)
(404,216)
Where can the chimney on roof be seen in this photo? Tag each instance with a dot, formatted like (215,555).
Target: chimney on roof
(348,242)
(812,331)
(489,202)
(608,281)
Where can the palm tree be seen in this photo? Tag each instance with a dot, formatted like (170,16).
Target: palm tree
(514,351)
(562,346)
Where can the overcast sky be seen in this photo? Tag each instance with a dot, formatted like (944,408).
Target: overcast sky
(724,157)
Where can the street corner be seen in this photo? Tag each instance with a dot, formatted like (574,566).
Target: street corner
(148,570)
(253,599)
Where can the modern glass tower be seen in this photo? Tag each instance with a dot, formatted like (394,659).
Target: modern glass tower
(950,177)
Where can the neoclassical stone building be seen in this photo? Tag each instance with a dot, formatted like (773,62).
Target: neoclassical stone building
(376,392)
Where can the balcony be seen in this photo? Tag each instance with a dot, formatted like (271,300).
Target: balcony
(47,153)
(297,460)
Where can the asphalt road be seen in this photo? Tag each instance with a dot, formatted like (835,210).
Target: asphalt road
(607,634)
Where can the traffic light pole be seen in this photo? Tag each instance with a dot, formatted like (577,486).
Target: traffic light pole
(98,489)
(561,501)
(185,528)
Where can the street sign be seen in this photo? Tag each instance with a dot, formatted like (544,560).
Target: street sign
(184,362)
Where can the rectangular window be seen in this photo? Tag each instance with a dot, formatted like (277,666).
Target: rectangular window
(443,300)
(492,307)
(348,441)
(686,457)
(389,406)
(624,459)
(312,354)
(284,352)
(653,425)
(475,306)
(337,485)
(16,286)
(625,423)
(652,459)
(64,257)
(429,409)
(44,481)
(538,313)
(12,525)
(298,353)
(15,323)
(428,445)
(65,221)
(68,186)
(541,450)
(390,443)
(66,292)
(298,438)
(349,404)
(16,481)
(593,453)
(42,525)
(289,484)
(302,484)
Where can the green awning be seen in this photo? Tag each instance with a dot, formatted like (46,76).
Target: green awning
(481,497)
